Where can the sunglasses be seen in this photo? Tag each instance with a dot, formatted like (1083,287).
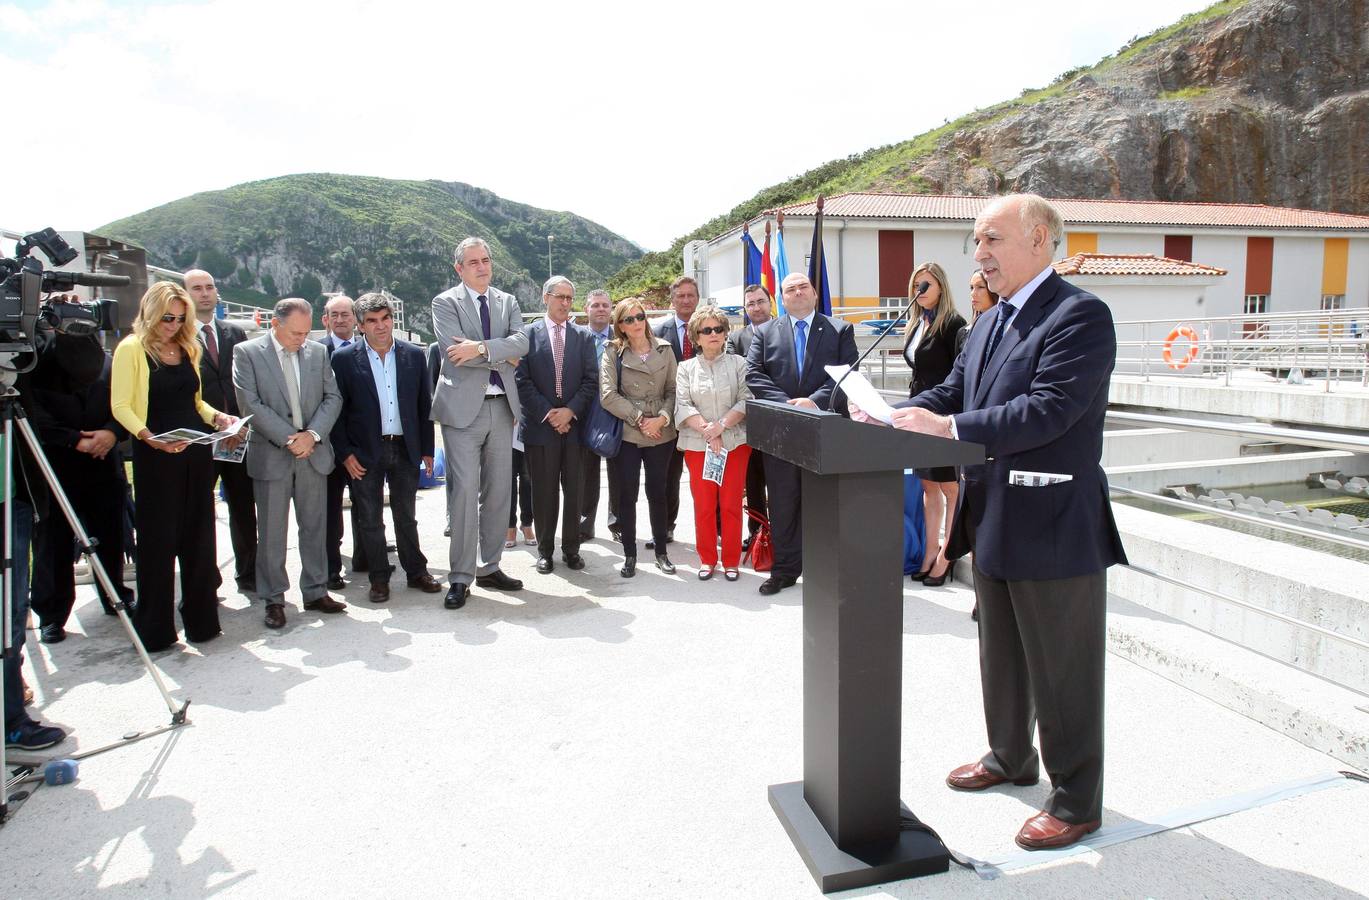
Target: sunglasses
(169,318)
(713,329)
(628,320)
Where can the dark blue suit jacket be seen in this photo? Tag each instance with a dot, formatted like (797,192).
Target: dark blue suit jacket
(1039,407)
(772,370)
(357,429)
(536,377)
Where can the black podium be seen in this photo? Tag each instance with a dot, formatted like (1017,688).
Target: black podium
(844,817)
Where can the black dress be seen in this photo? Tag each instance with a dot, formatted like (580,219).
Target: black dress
(174,516)
(931,361)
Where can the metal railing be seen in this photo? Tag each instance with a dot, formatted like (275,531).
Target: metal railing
(1332,345)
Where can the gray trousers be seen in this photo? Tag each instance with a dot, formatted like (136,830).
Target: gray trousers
(309,490)
(1042,646)
(480,472)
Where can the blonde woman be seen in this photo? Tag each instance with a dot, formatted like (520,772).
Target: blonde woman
(155,387)
(929,347)
(637,384)
(710,407)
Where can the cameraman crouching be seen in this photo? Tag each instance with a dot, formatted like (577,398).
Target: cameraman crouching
(79,435)
(29,495)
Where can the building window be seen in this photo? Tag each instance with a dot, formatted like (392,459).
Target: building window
(1256,304)
(1333,301)
(1179,246)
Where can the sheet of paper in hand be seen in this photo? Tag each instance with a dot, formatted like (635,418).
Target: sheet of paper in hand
(862,393)
(715,461)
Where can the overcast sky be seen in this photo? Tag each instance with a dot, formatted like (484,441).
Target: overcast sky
(647,118)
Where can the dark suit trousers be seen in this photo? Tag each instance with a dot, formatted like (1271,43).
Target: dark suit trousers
(755,489)
(786,516)
(368,508)
(592,464)
(242,519)
(549,466)
(96,493)
(628,465)
(674,474)
(1042,646)
(520,495)
(338,480)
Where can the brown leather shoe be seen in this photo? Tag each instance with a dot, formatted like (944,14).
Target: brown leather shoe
(380,592)
(975,777)
(425,583)
(275,615)
(326,604)
(1044,831)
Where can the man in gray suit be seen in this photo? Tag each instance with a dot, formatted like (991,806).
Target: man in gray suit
(479,329)
(284,382)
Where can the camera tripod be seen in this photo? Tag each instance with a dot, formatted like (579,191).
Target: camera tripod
(12,415)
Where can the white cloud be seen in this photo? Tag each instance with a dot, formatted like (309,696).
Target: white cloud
(647,120)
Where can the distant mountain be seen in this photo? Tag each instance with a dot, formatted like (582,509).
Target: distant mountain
(302,235)
(1247,101)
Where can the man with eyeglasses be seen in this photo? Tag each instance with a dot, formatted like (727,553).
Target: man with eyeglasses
(479,329)
(557,379)
(759,308)
(340,321)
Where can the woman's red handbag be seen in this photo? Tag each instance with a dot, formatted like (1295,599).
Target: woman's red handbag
(761,554)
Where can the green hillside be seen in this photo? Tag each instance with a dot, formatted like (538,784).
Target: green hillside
(304,235)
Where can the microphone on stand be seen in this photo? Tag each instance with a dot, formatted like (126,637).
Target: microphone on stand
(922,288)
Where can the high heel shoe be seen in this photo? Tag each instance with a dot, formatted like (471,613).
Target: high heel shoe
(920,576)
(939,580)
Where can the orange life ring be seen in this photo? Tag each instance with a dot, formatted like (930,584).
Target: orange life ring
(1188,334)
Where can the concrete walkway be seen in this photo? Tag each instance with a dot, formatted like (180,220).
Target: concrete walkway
(593,736)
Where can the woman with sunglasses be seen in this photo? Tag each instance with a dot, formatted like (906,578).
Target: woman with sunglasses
(155,387)
(710,406)
(929,347)
(637,384)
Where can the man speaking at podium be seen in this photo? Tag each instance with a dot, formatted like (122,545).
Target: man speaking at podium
(1033,389)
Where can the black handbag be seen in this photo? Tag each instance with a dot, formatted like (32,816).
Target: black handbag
(603,432)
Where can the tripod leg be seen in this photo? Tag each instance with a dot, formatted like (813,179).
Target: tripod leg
(178,711)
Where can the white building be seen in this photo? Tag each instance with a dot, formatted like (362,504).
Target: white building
(1274,259)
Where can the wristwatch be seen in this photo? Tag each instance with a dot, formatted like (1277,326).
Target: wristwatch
(480,348)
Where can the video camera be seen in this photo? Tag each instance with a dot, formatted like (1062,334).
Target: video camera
(23,281)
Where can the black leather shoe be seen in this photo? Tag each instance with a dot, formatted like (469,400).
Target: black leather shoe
(629,567)
(651,545)
(52,634)
(670,536)
(456,596)
(380,592)
(664,564)
(776,583)
(336,583)
(447,532)
(615,534)
(326,604)
(275,615)
(499,581)
(574,561)
(545,565)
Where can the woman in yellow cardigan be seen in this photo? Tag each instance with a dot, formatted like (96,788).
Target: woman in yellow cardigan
(155,387)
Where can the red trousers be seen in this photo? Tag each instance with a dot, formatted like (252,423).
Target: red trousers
(707,497)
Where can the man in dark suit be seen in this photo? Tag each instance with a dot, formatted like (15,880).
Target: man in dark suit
(218,338)
(1033,389)
(382,435)
(759,308)
(787,363)
(598,313)
(557,378)
(339,325)
(684,299)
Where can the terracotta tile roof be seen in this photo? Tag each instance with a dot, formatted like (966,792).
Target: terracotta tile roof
(1086,212)
(1130,264)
